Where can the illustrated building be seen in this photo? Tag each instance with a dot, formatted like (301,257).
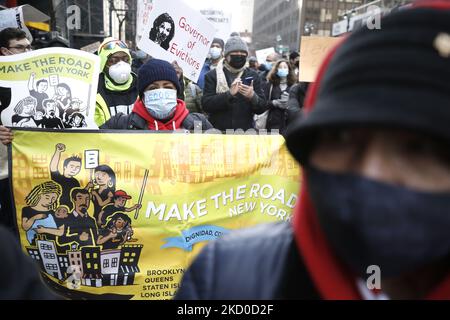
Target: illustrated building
(50,263)
(92,275)
(109,260)
(75,259)
(129,263)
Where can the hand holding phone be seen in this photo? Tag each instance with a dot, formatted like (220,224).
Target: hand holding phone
(247,81)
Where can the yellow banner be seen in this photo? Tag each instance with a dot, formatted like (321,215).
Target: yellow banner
(122,215)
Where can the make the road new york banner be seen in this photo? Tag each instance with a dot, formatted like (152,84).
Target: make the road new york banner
(121,215)
(51,88)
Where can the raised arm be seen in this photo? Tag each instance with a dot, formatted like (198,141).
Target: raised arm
(54,162)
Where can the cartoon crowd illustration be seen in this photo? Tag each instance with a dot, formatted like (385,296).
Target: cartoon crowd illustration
(39,110)
(89,227)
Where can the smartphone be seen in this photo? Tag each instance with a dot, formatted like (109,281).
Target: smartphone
(247,81)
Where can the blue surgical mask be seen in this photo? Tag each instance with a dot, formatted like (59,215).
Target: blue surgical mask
(282,73)
(160,103)
(268,65)
(215,52)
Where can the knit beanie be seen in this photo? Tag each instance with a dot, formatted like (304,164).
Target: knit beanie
(219,41)
(235,43)
(397,76)
(155,70)
(104,53)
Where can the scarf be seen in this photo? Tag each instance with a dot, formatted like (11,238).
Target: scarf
(222,84)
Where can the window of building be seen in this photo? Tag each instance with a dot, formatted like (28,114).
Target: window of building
(114,262)
(88,255)
(46,247)
(51,266)
(49,255)
(88,265)
(106,263)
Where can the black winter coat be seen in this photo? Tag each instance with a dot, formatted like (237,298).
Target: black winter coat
(277,117)
(133,121)
(228,112)
(258,263)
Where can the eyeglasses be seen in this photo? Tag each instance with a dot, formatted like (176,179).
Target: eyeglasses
(21,48)
(112,44)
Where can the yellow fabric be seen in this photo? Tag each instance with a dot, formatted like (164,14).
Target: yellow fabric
(101,110)
(193,188)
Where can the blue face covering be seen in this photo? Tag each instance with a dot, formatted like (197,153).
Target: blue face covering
(282,73)
(372,223)
(160,103)
(268,65)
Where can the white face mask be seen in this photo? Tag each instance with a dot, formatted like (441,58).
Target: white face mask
(120,72)
(215,52)
(160,103)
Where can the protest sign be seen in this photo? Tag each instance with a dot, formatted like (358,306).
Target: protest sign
(144,7)
(174,31)
(91,48)
(312,52)
(221,21)
(152,210)
(262,54)
(17,16)
(50,88)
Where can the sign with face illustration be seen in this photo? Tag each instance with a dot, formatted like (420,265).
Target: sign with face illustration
(51,88)
(174,31)
(106,219)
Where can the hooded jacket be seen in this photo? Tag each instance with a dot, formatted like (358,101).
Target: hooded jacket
(113,98)
(281,260)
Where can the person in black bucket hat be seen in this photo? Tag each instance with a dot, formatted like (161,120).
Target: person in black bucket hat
(372,218)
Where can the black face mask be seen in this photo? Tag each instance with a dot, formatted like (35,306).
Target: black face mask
(237,62)
(373,223)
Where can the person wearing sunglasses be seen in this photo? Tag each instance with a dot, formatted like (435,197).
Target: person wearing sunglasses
(117,85)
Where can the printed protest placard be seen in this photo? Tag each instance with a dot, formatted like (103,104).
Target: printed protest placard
(262,54)
(174,31)
(312,52)
(16,17)
(51,88)
(221,21)
(144,7)
(130,229)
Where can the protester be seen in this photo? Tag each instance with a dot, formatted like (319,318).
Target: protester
(280,79)
(231,103)
(215,55)
(12,41)
(253,63)
(193,96)
(294,60)
(180,76)
(267,66)
(157,107)
(297,95)
(117,85)
(374,203)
